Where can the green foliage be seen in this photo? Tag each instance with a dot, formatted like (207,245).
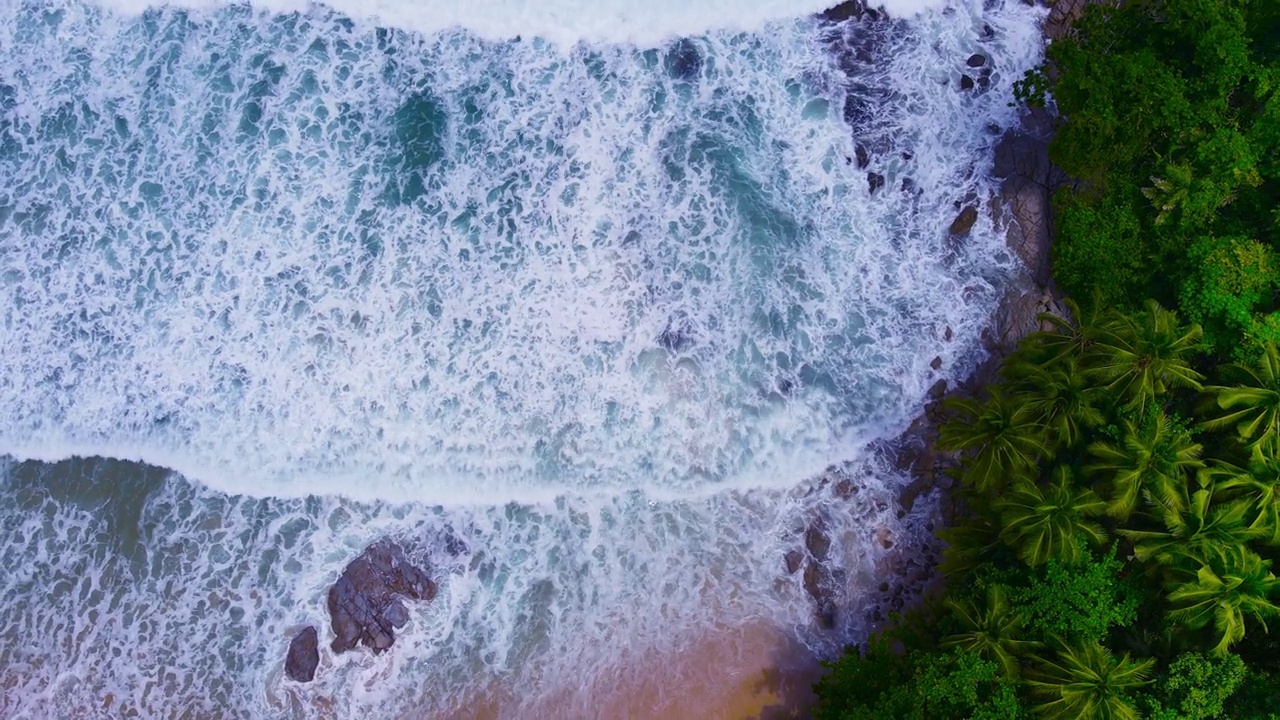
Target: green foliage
(992,631)
(1099,252)
(1171,122)
(1088,682)
(1231,279)
(1228,589)
(883,685)
(1193,529)
(1142,356)
(1258,486)
(1258,697)
(1253,405)
(1100,428)
(1154,457)
(1195,687)
(1004,445)
(1077,601)
(1052,521)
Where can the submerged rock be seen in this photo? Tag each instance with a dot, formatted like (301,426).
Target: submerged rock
(366,603)
(818,583)
(964,221)
(683,61)
(304,655)
(794,559)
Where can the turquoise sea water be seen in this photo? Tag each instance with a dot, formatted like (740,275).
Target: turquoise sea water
(599,310)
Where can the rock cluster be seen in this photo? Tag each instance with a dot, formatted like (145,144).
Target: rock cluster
(366,607)
(366,604)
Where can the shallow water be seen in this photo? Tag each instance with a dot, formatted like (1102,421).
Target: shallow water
(599,310)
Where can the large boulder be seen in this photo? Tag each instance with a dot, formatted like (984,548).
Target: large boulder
(366,604)
(964,222)
(304,655)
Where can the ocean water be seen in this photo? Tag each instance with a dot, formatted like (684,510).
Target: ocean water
(581,301)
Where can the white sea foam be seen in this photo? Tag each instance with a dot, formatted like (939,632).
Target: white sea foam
(561,21)
(293,255)
(601,321)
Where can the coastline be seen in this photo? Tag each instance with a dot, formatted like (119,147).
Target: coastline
(1022,208)
(753,669)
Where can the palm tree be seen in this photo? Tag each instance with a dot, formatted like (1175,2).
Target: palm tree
(1170,192)
(1224,591)
(1196,529)
(990,631)
(1087,682)
(1051,521)
(1141,357)
(1258,485)
(1253,406)
(1068,337)
(1155,458)
(971,545)
(1061,398)
(999,435)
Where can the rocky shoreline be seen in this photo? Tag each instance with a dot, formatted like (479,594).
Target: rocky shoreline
(1022,207)
(366,602)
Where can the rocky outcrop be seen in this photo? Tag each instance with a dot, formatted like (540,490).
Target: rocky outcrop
(1022,209)
(964,222)
(304,655)
(1064,12)
(366,604)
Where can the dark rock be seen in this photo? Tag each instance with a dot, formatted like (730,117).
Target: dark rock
(817,582)
(939,390)
(860,151)
(966,82)
(817,541)
(850,10)
(1022,162)
(875,181)
(964,221)
(304,655)
(936,363)
(947,334)
(976,60)
(365,604)
(845,489)
(794,559)
(908,185)
(396,614)
(987,33)
(683,61)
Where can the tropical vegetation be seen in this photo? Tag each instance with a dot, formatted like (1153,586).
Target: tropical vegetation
(1118,489)
(1115,557)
